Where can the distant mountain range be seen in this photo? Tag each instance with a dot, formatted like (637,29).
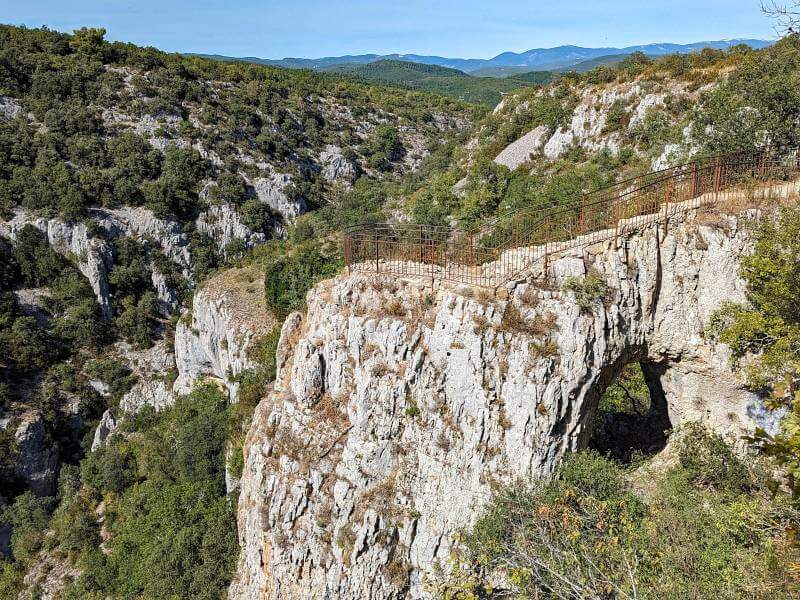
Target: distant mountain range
(502,65)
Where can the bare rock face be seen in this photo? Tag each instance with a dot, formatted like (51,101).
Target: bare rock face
(150,367)
(105,429)
(587,128)
(397,405)
(167,298)
(140,222)
(336,167)
(37,460)
(10,109)
(92,255)
(228,314)
(519,152)
(223,223)
(271,189)
(49,575)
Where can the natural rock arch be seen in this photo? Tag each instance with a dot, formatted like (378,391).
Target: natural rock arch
(358,476)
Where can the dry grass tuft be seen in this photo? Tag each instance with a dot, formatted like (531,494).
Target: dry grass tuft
(514,321)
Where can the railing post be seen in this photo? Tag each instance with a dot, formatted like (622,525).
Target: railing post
(377,257)
(433,262)
(694,180)
(717,178)
(619,220)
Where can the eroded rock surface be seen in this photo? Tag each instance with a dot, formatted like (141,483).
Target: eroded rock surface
(228,314)
(224,224)
(396,405)
(37,459)
(93,256)
(336,167)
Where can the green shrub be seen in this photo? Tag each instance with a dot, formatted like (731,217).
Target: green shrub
(75,525)
(110,469)
(588,291)
(173,528)
(707,461)
(584,534)
(38,263)
(10,579)
(383,148)
(9,268)
(289,277)
(257,216)
(617,118)
(768,330)
(28,517)
(759,101)
(114,374)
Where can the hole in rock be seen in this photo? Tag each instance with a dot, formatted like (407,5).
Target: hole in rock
(631,419)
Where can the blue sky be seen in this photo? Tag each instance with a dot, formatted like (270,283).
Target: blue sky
(457,28)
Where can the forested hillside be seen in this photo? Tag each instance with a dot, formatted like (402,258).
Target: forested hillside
(127,177)
(143,192)
(439,80)
(547,146)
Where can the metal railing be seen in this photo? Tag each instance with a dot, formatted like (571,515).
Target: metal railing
(509,245)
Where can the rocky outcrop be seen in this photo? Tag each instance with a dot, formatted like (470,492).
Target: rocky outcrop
(92,255)
(10,109)
(105,429)
(153,370)
(397,405)
(602,118)
(227,316)
(141,223)
(272,189)
(223,224)
(37,459)
(167,298)
(336,167)
(587,127)
(49,574)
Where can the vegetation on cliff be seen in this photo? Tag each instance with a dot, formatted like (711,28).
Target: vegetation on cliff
(710,527)
(89,130)
(765,335)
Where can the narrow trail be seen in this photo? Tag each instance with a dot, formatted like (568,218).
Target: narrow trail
(510,246)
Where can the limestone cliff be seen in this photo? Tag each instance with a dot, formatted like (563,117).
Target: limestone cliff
(228,314)
(397,405)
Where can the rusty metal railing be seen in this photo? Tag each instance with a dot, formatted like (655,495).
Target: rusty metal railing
(509,245)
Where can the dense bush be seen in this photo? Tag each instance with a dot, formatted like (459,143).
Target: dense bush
(173,529)
(288,277)
(383,148)
(583,533)
(759,103)
(28,516)
(38,263)
(134,299)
